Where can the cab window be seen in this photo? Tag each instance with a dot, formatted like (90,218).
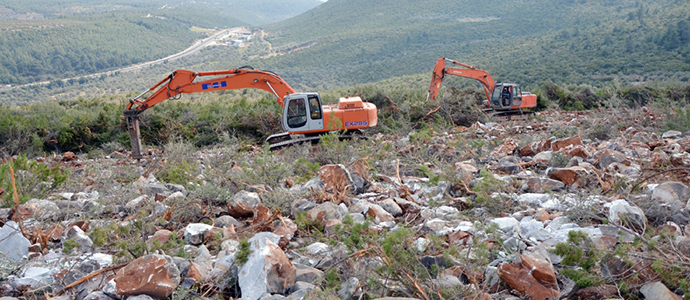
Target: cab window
(296,113)
(314,107)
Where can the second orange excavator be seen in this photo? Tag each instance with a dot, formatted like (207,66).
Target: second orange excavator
(303,114)
(501,97)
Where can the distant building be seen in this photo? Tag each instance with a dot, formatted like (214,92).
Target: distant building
(237,43)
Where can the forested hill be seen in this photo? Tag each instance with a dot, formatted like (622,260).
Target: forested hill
(44,40)
(566,41)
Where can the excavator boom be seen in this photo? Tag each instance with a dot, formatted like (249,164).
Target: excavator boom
(440,70)
(182,82)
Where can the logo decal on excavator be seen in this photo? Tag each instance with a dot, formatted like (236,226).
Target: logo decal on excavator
(214,85)
(357,123)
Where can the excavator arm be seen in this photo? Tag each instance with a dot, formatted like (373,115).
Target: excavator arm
(440,70)
(182,82)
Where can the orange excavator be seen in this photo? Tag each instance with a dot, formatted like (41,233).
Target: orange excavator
(503,98)
(304,117)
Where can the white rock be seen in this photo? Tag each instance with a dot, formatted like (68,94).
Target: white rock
(506,223)
(671,134)
(443,211)
(14,245)
(534,198)
(194,233)
(620,211)
(267,270)
(83,240)
(421,244)
(36,277)
(140,297)
(44,209)
(138,202)
(318,248)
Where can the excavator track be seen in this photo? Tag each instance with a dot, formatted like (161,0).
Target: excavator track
(508,115)
(281,140)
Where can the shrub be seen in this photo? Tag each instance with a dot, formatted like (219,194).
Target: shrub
(680,120)
(33,179)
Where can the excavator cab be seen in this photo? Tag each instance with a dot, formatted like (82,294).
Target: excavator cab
(302,113)
(506,96)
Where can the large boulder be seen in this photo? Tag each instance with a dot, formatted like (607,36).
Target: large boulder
(153,275)
(267,270)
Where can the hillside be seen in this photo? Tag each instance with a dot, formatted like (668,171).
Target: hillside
(43,40)
(529,42)
(539,208)
(339,44)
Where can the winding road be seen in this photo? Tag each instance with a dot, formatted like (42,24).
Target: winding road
(198,45)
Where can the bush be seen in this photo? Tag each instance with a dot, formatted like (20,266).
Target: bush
(33,179)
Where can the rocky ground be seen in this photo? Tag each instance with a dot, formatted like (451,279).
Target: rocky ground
(556,206)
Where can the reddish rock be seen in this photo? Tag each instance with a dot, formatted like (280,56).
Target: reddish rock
(229,231)
(151,275)
(535,147)
(286,230)
(505,149)
(335,177)
(519,278)
(460,238)
(162,235)
(567,176)
(55,233)
(379,214)
(194,272)
(543,216)
(565,142)
(242,204)
(69,156)
(262,214)
(268,270)
(576,150)
(681,160)
(83,225)
(596,292)
(541,269)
